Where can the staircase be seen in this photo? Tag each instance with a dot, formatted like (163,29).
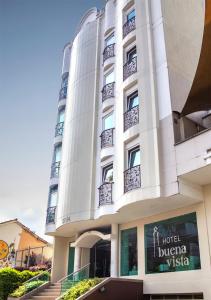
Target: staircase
(50,293)
(54,290)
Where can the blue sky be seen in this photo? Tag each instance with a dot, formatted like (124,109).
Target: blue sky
(32,36)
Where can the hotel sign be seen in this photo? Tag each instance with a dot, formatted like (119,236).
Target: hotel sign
(172,245)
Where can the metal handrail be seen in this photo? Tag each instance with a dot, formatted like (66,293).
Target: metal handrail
(107,130)
(37,276)
(130,61)
(130,109)
(75,272)
(132,168)
(108,182)
(107,47)
(104,87)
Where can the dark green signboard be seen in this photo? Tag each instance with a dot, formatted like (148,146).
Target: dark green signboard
(172,245)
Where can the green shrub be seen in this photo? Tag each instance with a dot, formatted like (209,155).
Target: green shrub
(26,288)
(45,276)
(11,279)
(80,288)
(33,285)
(20,291)
(26,275)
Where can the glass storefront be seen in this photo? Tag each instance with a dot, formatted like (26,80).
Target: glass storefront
(129,252)
(172,245)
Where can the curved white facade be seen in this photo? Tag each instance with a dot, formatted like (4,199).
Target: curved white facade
(120,163)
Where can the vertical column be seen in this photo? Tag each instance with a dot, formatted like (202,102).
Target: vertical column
(77,260)
(60,258)
(114,249)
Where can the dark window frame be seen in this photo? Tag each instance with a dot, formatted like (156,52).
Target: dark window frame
(131,53)
(131,97)
(105,169)
(130,152)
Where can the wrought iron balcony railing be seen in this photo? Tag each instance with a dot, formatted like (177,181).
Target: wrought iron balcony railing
(51,215)
(59,129)
(55,167)
(129,26)
(107,138)
(108,52)
(129,68)
(105,193)
(108,91)
(132,178)
(63,93)
(131,117)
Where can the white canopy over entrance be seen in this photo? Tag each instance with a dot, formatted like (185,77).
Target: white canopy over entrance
(90,238)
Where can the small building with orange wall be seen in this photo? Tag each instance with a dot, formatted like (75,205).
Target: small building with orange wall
(21,247)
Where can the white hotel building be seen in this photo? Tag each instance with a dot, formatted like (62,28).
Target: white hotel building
(130,187)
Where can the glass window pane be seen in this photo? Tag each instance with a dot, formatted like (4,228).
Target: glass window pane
(128,262)
(109,78)
(110,40)
(131,54)
(60,116)
(108,122)
(133,101)
(108,174)
(57,154)
(53,197)
(131,15)
(134,157)
(172,245)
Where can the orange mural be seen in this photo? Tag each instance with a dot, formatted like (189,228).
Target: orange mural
(4,249)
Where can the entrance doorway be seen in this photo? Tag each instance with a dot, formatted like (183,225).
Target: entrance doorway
(100,259)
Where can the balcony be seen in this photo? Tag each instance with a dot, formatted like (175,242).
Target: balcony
(131,117)
(63,93)
(108,91)
(129,26)
(130,68)
(107,138)
(59,129)
(55,168)
(105,193)
(108,52)
(132,178)
(187,127)
(51,215)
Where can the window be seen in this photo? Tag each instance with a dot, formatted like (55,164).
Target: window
(131,54)
(57,153)
(53,196)
(134,157)
(132,100)
(129,265)
(107,174)
(108,122)
(131,15)
(109,78)
(110,40)
(60,117)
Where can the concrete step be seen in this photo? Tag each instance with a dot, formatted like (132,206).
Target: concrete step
(52,290)
(43,298)
(48,293)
